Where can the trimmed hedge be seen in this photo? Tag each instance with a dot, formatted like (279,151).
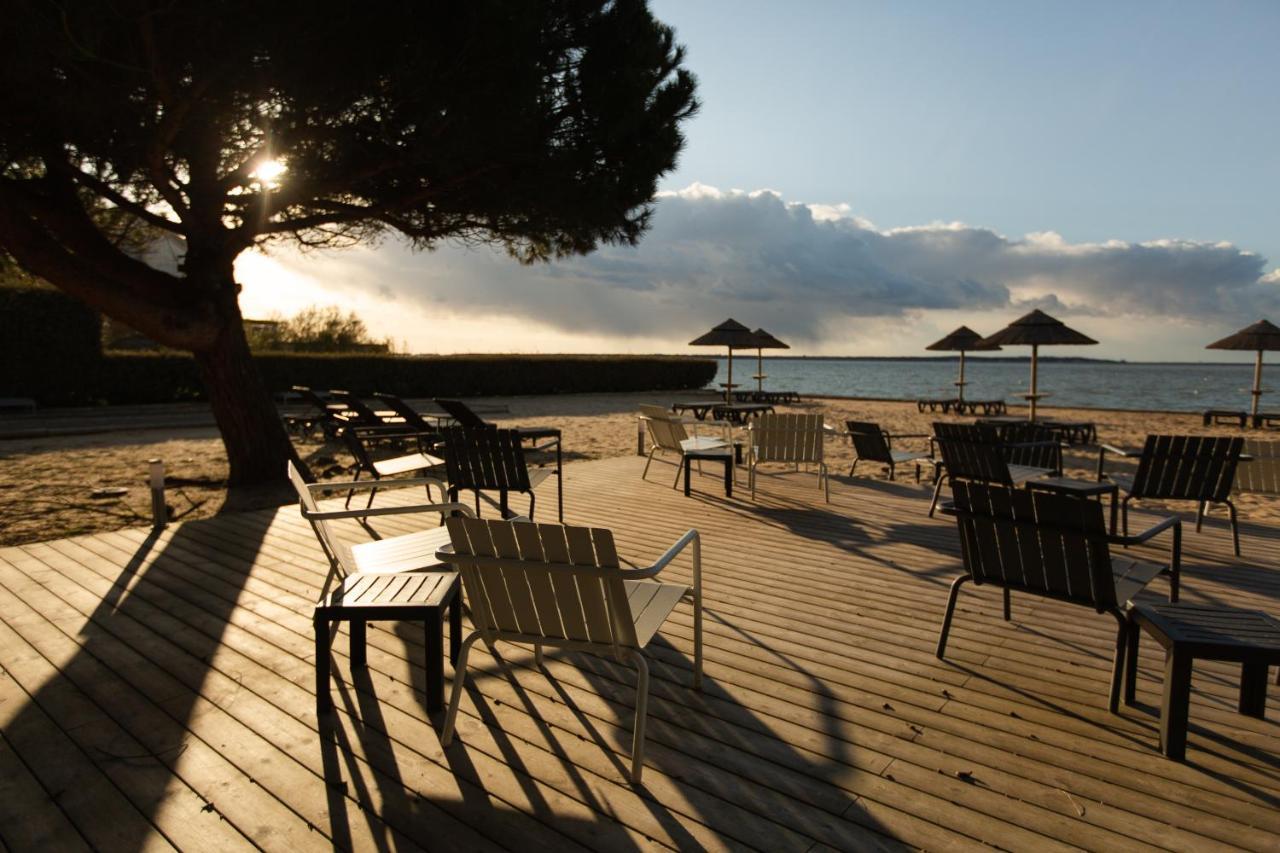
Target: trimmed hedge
(168,377)
(49,345)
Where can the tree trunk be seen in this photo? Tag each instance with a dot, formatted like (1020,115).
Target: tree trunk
(254,436)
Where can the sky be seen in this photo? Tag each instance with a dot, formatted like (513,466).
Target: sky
(861,178)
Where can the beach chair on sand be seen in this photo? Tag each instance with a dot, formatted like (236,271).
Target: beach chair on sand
(361,445)
(1198,468)
(1054,546)
(407,553)
(792,439)
(550,585)
(872,444)
(667,433)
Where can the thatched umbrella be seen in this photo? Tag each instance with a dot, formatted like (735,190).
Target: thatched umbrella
(764,341)
(1037,329)
(733,335)
(962,340)
(1259,337)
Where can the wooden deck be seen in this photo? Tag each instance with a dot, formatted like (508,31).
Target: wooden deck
(158,692)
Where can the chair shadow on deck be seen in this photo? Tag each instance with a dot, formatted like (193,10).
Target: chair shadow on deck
(145,651)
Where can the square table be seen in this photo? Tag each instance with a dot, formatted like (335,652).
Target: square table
(1081,488)
(722,455)
(1191,631)
(408,596)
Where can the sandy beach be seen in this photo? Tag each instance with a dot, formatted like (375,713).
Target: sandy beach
(48,485)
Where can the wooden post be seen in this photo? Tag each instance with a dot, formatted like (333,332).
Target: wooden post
(1034,361)
(159,515)
(1257,383)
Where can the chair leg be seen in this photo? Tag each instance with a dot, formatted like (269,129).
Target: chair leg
(372,492)
(1199,516)
(533,500)
(1124,515)
(1235,527)
(1117,663)
(1008,601)
(892,476)
(649,461)
(826,480)
(642,715)
(537,655)
(1131,662)
(946,619)
(851,467)
(351,492)
(679,471)
(459,676)
(937,490)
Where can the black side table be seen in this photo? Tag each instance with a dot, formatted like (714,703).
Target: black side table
(408,596)
(1191,631)
(720,454)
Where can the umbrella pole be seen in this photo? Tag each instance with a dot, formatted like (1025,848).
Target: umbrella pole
(1035,351)
(759,368)
(728,388)
(1257,383)
(960,384)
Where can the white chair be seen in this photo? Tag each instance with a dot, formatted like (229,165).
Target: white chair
(794,439)
(405,553)
(667,433)
(553,585)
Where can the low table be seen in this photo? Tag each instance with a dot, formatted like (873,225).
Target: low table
(408,596)
(700,408)
(1191,631)
(1267,419)
(722,455)
(1081,488)
(738,413)
(1220,416)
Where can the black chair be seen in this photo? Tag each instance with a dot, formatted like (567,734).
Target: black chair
(979,453)
(872,444)
(411,416)
(365,445)
(1198,468)
(462,414)
(490,459)
(1055,546)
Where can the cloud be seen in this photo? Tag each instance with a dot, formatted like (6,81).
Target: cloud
(808,271)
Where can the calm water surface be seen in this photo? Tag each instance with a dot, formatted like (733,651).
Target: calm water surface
(1176,387)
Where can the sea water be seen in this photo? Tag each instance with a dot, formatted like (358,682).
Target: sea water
(1100,384)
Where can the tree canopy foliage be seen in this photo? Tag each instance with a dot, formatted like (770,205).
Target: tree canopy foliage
(539,126)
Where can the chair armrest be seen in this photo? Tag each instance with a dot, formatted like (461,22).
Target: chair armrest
(1120,451)
(387,510)
(388,483)
(1157,528)
(690,536)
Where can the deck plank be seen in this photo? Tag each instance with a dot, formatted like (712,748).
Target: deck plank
(827,723)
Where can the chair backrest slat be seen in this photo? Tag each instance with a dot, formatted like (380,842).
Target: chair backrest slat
(487,458)
(1187,467)
(1054,545)
(787,437)
(868,441)
(1261,474)
(551,582)
(410,415)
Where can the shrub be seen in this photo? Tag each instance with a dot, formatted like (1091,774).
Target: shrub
(172,377)
(49,345)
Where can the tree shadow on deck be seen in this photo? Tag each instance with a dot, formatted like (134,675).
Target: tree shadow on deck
(145,652)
